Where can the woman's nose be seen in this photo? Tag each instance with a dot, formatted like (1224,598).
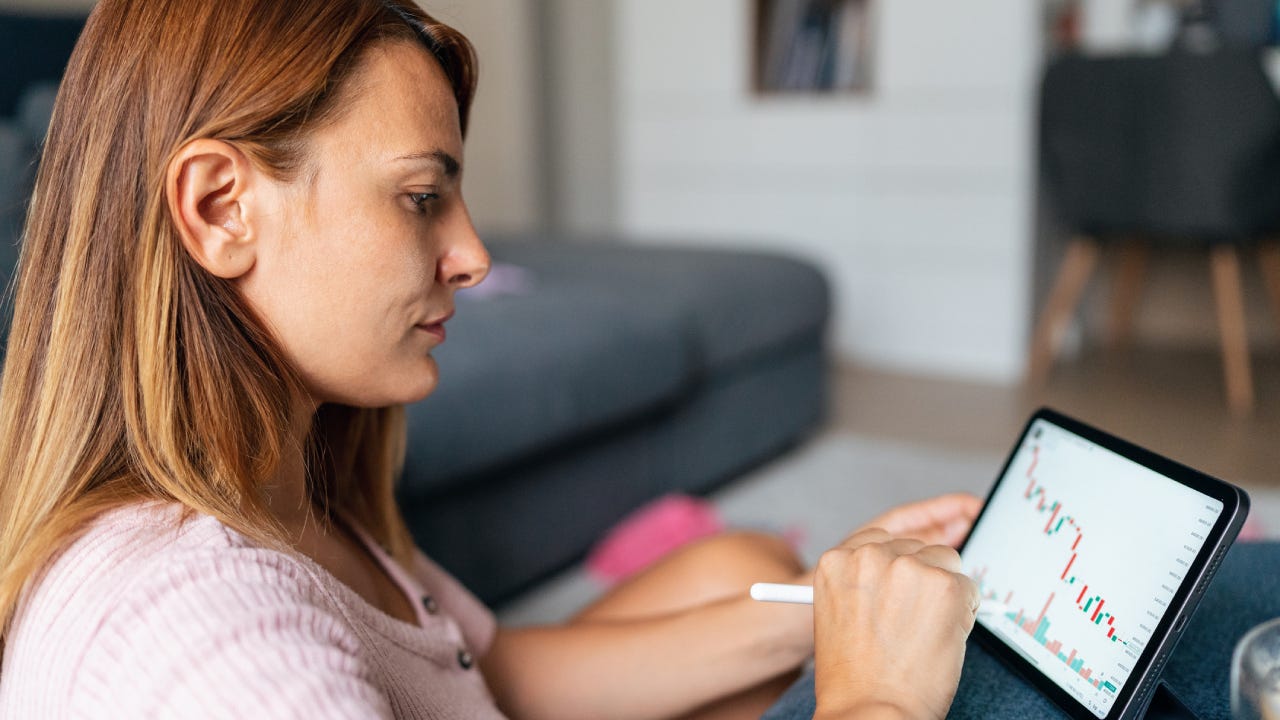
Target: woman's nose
(466,262)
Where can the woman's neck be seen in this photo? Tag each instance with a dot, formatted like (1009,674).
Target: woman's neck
(286,493)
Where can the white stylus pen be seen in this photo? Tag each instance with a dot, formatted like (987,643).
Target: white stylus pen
(777,592)
(803,594)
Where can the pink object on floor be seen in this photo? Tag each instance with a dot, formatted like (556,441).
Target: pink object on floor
(796,536)
(1252,531)
(649,533)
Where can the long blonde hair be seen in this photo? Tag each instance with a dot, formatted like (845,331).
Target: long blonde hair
(131,374)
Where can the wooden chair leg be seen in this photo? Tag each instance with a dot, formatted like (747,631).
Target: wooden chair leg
(1126,291)
(1077,267)
(1229,296)
(1269,260)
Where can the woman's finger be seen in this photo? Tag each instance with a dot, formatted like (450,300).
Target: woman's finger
(934,511)
(866,535)
(941,556)
(906,546)
(945,519)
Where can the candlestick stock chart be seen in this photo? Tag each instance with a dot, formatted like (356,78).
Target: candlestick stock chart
(1087,548)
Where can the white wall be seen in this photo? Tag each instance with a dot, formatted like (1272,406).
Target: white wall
(915,198)
(504,152)
(1107,24)
(581,114)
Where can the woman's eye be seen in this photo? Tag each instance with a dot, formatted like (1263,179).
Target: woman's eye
(421,200)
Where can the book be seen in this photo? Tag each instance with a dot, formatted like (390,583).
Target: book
(811,45)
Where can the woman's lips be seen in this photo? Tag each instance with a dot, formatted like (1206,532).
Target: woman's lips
(436,329)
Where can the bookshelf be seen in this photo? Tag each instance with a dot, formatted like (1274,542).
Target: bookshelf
(812,46)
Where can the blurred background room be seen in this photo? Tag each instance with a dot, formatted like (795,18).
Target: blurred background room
(979,208)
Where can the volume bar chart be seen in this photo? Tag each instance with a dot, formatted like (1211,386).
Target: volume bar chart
(1038,629)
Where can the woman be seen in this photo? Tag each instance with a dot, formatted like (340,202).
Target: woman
(243,246)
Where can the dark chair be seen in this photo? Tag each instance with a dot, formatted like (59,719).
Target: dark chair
(1150,152)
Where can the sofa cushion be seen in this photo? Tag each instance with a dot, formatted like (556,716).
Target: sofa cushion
(20,140)
(35,109)
(33,49)
(15,155)
(16,158)
(730,304)
(603,334)
(520,373)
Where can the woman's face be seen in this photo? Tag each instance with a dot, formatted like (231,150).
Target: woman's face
(359,258)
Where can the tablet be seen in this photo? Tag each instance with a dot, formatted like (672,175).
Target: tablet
(1099,551)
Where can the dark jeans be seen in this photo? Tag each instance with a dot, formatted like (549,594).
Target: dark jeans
(1245,593)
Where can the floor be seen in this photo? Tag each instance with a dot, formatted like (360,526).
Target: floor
(892,438)
(813,495)
(1171,401)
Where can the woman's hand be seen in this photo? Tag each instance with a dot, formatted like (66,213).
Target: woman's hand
(890,621)
(944,520)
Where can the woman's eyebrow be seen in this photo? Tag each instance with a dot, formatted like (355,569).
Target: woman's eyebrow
(447,162)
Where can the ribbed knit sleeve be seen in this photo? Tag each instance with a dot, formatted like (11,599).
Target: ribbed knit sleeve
(235,633)
(147,617)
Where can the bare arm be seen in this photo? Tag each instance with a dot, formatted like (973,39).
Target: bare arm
(669,665)
(649,668)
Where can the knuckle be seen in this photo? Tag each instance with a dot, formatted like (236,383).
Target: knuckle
(832,561)
(905,567)
(952,587)
(873,530)
(937,581)
(873,555)
(946,551)
(951,584)
(870,535)
(949,554)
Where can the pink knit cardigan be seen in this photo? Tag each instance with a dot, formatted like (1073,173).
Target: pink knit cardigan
(141,618)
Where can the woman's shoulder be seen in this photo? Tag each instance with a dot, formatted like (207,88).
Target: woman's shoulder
(150,581)
(149,557)
(148,547)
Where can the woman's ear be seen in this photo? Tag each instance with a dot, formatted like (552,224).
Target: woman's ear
(208,192)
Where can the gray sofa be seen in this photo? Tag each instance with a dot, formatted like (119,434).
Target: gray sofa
(622,374)
(610,374)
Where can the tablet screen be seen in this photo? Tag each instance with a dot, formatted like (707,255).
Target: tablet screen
(1087,549)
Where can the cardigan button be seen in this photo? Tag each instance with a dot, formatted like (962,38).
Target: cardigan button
(430,604)
(465,661)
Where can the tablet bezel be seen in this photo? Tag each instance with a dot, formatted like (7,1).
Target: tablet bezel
(1132,697)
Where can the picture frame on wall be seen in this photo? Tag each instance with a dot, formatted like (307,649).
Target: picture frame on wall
(808,46)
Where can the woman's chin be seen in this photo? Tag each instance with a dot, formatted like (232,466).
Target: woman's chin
(422,394)
(417,385)
(405,387)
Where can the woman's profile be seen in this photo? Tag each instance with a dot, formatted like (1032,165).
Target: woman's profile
(243,246)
